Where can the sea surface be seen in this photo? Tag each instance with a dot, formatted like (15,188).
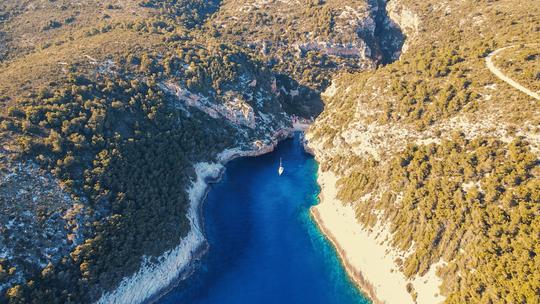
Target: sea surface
(264,247)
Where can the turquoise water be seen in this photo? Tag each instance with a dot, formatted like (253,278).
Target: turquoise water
(264,247)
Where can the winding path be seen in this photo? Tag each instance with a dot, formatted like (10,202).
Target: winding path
(501,76)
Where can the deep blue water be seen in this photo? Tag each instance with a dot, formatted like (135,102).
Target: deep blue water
(264,247)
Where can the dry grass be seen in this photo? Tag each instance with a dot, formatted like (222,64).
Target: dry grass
(36,57)
(41,69)
(27,27)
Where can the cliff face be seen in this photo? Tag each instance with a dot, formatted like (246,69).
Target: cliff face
(441,155)
(310,42)
(99,143)
(107,109)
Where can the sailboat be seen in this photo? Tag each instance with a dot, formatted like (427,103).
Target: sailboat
(280,169)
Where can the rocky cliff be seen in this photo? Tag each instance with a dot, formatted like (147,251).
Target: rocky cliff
(112,112)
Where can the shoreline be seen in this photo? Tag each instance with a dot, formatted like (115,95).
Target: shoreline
(198,252)
(366,254)
(357,278)
(155,279)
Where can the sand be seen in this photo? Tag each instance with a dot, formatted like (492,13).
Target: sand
(368,257)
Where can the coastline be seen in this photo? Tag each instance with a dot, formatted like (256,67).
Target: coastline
(365,253)
(356,276)
(155,279)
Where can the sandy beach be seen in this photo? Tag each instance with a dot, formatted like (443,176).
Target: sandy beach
(368,257)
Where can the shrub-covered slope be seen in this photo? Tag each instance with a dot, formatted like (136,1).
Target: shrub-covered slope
(103,116)
(311,40)
(106,106)
(444,151)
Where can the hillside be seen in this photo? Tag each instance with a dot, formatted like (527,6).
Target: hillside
(311,40)
(443,152)
(103,117)
(114,114)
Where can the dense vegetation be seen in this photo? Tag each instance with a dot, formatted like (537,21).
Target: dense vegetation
(119,145)
(521,63)
(437,147)
(495,188)
(112,131)
(190,13)
(89,99)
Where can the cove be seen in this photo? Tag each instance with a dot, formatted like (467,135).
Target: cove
(263,245)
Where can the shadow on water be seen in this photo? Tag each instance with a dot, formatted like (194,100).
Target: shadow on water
(264,246)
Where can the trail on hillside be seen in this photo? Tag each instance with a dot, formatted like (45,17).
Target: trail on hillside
(501,76)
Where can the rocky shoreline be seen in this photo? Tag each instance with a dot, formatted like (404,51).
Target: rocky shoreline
(155,279)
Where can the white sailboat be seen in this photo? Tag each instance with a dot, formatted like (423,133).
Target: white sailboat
(280,169)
